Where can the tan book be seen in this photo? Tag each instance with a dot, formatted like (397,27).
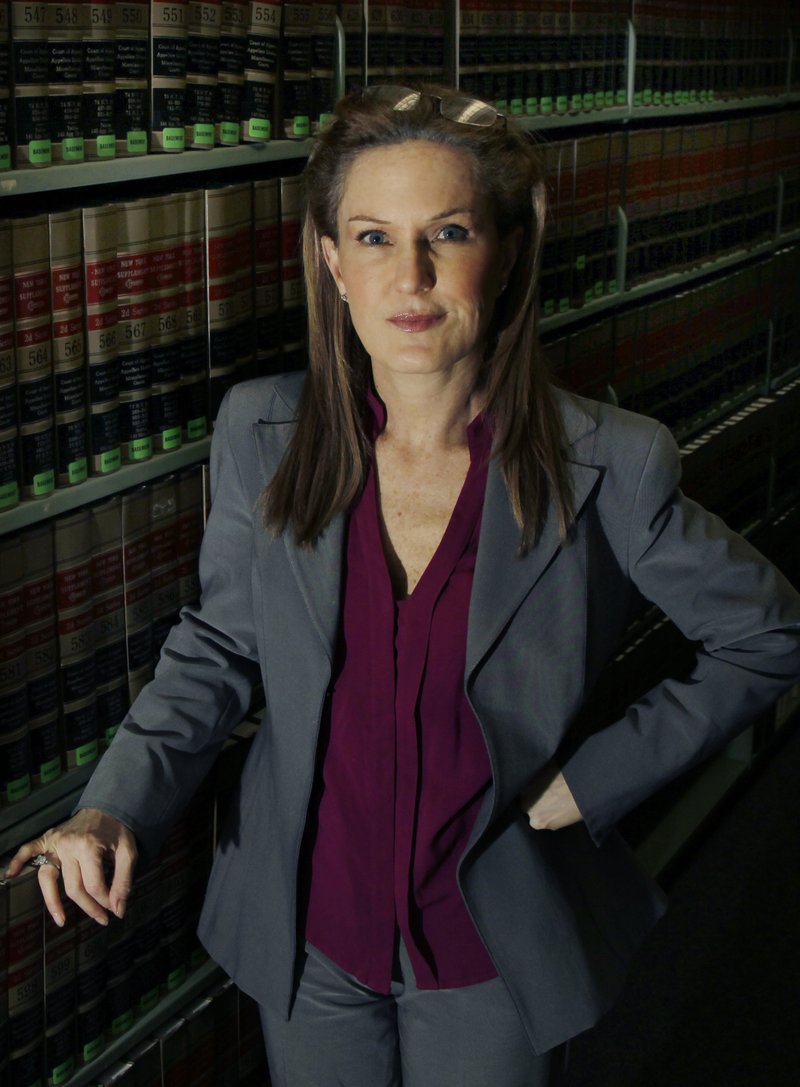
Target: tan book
(30,60)
(65,80)
(99,50)
(192,320)
(137,244)
(100,229)
(108,602)
(234,24)
(132,65)
(258,117)
(138,588)
(164,499)
(41,652)
(266,201)
(5,87)
(204,18)
(293,312)
(168,37)
(167,316)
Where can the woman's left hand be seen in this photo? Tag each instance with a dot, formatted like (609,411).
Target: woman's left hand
(548,802)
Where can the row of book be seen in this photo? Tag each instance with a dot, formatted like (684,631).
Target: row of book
(86,601)
(67,992)
(690,193)
(122,324)
(693,358)
(91,80)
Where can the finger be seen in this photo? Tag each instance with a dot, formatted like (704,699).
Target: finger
(85,896)
(122,883)
(23,855)
(48,885)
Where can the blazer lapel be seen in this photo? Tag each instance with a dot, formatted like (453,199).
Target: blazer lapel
(318,570)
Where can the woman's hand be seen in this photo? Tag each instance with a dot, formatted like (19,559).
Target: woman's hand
(547,801)
(77,851)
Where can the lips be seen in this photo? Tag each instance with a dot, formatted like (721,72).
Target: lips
(415,322)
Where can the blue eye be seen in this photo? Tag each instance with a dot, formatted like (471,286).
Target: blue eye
(453,233)
(372,237)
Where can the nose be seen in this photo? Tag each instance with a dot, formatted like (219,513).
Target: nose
(414,268)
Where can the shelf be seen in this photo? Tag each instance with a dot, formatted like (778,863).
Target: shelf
(98,487)
(55,179)
(43,808)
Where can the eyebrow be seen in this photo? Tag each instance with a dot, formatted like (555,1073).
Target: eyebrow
(433,219)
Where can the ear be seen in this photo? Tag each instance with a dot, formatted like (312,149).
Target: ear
(509,251)
(331,255)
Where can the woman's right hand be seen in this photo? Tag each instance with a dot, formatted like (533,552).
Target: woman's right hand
(77,851)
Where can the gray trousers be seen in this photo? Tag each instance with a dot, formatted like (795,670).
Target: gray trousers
(342,1034)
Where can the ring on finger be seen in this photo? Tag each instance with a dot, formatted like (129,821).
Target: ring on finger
(41,859)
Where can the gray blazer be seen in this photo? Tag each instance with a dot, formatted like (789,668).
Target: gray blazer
(562,912)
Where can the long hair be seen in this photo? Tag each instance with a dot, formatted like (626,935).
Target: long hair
(325,466)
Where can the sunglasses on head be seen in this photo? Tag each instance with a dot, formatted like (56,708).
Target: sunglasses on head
(454,107)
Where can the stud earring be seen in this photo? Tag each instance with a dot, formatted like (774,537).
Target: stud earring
(345,299)
(502,288)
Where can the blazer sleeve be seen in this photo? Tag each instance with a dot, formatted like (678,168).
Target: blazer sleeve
(721,593)
(203,682)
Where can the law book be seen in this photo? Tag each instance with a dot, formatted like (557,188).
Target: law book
(9,432)
(98,49)
(120,980)
(60,972)
(233,32)
(25,993)
(202,68)
(68,345)
(590,213)
(626,372)
(41,652)
(375,27)
(266,200)
(397,18)
(435,50)
(614,200)
(168,52)
(143,917)
(15,750)
(65,80)
(696,191)
(189,534)
(416,32)
(262,59)
(193,323)
(669,245)
(323,63)
(295,69)
(496,37)
(90,986)
(138,588)
(164,499)
(642,172)
(588,362)
(137,243)
(108,604)
(468,46)
(351,16)
(75,618)
(293,311)
(167,314)
(30,60)
(100,229)
(5,87)
(228,229)
(132,107)
(3,976)
(762,180)
(30,247)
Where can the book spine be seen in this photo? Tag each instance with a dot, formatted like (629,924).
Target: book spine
(295,69)
(90,984)
(138,588)
(202,69)
(25,978)
(234,23)
(41,652)
(166,321)
(266,198)
(119,995)
(9,430)
(261,71)
(351,14)
(65,82)
(193,323)
(416,30)
(98,49)
(375,20)
(168,41)
(138,224)
(132,117)
(29,79)
(292,288)
(77,676)
(108,604)
(33,349)
(15,750)
(396,33)
(60,972)
(69,351)
(5,87)
(323,63)
(164,497)
(189,534)
(100,226)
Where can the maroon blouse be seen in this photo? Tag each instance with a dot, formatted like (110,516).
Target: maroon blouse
(405,766)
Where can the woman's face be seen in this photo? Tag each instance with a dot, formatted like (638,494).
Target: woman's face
(418,257)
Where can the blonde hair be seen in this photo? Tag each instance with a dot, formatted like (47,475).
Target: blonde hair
(325,465)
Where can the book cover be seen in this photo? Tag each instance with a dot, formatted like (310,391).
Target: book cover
(204,19)
(30,64)
(100,230)
(108,603)
(262,57)
(132,117)
(41,652)
(138,241)
(9,433)
(234,24)
(68,344)
(266,198)
(98,49)
(193,323)
(65,80)
(75,618)
(30,247)
(293,310)
(120,981)
(168,45)
(166,234)
(138,588)
(295,69)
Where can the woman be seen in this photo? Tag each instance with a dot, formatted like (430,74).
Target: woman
(428,553)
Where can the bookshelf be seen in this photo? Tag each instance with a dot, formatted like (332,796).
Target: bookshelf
(612,103)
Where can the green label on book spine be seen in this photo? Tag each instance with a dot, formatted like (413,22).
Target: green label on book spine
(63,1072)
(72,149)
(301,127)
(110,733)
(50,771)
(175,978)
(40,152)
(546,105)
(137,143)
(562,104)
(531,106)
(18,789)
(577,102)
(87,753)
(106,146)
(110,461)
(516,109)
(5,156)
(9,495)
(259,128)
(93,1049)
(174,139)
(203,135)
(148,1000)
(229,132)
(44,483)
(140,448)
(78,471)
(171,439)
(197,428)
(122,1024)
